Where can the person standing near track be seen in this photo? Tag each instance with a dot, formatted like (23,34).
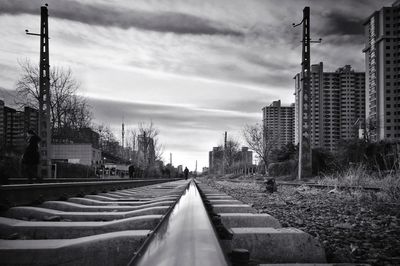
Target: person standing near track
(131,170)
(31,157)
(186,173)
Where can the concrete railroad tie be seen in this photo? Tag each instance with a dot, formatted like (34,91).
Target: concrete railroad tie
(108,228)
(103,229)
(262,234)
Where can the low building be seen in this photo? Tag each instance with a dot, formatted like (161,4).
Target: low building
(180,169)
(244,162)
(215,158)
(84,154)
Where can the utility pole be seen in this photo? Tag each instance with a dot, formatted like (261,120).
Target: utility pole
(123,134)
(123,140)
(224,154)
(170,158)
(44,94)
(305,151)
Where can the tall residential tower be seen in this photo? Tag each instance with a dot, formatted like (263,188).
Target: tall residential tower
(280,121)
(382,59)
(337,105)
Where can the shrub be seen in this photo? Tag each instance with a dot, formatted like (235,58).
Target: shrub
(390,185)
(9,168)
(380,156)
(322,161)
(283,168)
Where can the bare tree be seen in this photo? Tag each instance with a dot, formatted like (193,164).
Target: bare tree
(231,153)
(149,147)
(261,140)
(106,136)
(132,139)
(66,107)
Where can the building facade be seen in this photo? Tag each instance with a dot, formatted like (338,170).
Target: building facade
(84,154)
(2,127)
(146,150)
(337,105)
(382,59)
(279,120)
(215,158)
(14,125)
(242,161)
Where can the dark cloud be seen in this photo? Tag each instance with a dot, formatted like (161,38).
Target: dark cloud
(8,96)
(101,15)
(340,24)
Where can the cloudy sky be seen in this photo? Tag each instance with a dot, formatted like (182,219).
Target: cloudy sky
(195,68)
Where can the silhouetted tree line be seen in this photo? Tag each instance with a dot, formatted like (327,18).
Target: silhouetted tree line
(375,156)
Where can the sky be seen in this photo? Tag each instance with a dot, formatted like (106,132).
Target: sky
(194,68)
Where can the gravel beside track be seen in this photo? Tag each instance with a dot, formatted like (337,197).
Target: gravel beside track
(354,227)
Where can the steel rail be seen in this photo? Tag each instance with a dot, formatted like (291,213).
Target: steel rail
(309,184)
(27,194)
(22,181)
(185,237)
(322,186)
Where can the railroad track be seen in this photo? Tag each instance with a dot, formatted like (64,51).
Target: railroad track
(13,181)
(310,184)
(173,223)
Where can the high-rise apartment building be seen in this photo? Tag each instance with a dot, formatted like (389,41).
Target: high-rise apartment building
(14,125)
(279,120)
(382,59)
(337,105)
(2,127)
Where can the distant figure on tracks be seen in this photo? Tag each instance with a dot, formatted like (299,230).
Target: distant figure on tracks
(131,170)
(186,172)
(31,157)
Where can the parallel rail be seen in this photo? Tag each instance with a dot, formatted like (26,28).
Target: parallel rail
(102,229)
(32,194)
(17,180)
(321,186)
(309,184)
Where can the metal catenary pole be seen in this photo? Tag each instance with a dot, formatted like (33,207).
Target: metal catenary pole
(44,94)
(305,150)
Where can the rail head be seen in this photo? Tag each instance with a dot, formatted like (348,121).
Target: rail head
(185,237)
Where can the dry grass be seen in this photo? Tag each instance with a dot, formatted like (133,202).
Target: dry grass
(359,177)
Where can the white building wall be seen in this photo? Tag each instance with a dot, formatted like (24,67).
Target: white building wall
(78,153)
